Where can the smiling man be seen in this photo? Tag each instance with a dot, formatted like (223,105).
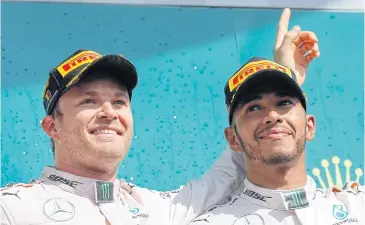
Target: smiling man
(269,127)
(89,119)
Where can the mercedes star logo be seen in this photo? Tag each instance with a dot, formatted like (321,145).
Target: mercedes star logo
(58,210)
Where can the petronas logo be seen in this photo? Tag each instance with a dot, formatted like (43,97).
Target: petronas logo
(339,212)
(350,174)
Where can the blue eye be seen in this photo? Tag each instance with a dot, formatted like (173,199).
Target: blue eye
(120,102)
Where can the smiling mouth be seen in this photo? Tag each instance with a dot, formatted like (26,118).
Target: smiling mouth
(274,135)
(106,132)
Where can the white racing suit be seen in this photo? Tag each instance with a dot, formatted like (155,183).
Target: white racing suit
(306,206)
(62,198)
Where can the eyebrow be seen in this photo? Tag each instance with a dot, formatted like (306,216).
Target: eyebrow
(117,94)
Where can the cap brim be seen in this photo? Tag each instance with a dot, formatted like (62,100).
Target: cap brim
(273,78)
(115,65)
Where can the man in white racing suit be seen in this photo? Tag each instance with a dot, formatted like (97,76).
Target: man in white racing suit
(307,205)
(94,110)
(89,119)
(87,100)
(269,126)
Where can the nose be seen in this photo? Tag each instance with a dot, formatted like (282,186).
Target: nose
(273,117)
(107,112)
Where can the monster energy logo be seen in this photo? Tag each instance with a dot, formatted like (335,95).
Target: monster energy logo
(296,199)
(104,191)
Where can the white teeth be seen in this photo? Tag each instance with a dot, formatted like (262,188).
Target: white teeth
(105,131)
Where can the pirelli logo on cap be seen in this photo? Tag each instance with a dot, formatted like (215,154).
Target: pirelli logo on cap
(78,60)
(252,68)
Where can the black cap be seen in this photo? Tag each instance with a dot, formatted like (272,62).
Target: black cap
(76,66)
(258,71)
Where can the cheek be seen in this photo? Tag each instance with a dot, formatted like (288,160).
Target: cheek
(299,123)
(247,136)
(126,118)
(74,124)
(246,130)
(301,130)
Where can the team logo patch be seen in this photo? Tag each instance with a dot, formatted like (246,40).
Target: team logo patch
(58,210)
(339,212)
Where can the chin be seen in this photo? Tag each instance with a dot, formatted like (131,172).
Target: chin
(281,156)
(107,148)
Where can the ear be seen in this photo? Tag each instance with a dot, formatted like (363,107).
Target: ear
(232,140)
(48,125)
(311,127)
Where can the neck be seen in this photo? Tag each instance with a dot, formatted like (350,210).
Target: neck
(104,171)
(278,177)
(87,172)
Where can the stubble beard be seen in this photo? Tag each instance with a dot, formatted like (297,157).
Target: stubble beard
(277,157)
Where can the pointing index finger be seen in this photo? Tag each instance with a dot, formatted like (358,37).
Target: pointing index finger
(282,27)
